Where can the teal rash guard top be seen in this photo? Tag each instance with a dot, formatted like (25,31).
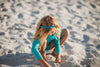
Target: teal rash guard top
(36,43)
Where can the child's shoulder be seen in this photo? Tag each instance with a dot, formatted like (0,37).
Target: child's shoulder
(37,40)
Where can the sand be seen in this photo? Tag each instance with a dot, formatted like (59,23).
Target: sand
(18,21)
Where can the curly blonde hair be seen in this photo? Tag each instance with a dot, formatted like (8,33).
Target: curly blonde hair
(43,33)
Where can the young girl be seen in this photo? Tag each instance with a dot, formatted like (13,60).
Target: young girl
(48,36)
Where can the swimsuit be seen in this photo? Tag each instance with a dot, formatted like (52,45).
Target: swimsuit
(37,42)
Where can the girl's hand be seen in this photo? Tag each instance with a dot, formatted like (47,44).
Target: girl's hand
(44,63)
(58,58)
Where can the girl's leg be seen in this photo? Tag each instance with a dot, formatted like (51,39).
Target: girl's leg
(42,51)
(63,38)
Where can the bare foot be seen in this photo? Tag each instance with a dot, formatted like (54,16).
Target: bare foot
(54,54)
(59,60)
(62,55)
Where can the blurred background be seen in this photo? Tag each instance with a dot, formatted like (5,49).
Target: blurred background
(18,21)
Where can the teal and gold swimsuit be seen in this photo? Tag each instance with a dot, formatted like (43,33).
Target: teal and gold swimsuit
(37,42)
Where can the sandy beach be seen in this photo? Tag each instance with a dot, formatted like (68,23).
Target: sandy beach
(18,21)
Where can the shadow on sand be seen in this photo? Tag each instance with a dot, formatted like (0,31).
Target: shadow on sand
(18,59)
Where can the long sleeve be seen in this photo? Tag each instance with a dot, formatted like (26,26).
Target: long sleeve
(57,44)
(34,49)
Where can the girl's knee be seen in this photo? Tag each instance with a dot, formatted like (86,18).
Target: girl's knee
(66,31)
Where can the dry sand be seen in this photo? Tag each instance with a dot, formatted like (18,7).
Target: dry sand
(18,20)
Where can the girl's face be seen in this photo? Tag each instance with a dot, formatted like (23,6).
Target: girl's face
(52,32)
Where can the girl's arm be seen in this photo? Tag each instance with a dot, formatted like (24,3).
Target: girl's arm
(57,48)
(37,54)
(57,45)
(35,50)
